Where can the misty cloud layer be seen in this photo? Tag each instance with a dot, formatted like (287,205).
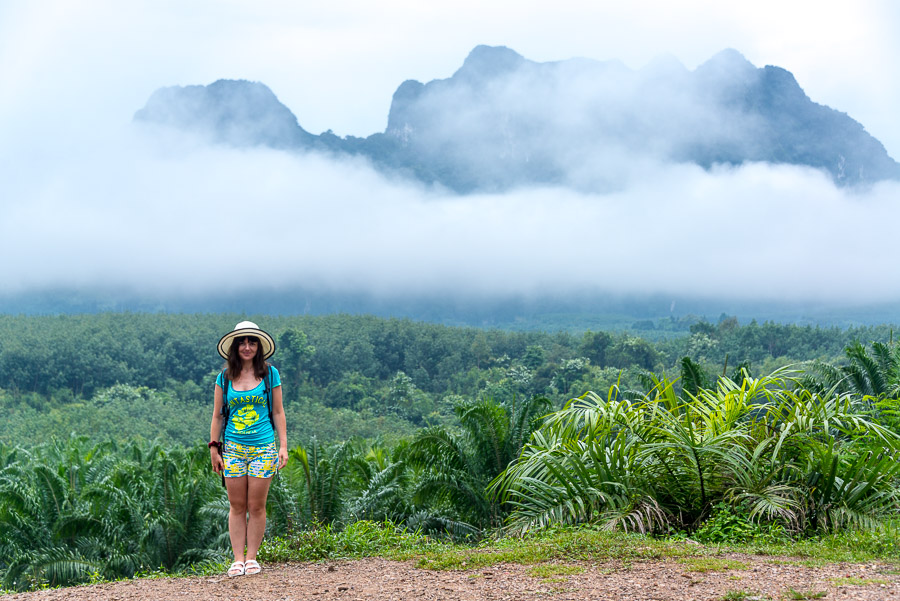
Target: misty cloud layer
(168,214)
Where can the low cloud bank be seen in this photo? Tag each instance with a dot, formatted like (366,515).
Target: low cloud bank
(166,214)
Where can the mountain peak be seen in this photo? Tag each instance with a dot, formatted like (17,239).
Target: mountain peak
(729,58)
(728,68)
(485,62)
(236,112)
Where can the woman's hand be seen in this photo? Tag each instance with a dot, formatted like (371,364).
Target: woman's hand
(216,459)
(282,457)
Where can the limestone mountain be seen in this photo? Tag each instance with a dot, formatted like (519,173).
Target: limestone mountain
(240,113)
(503,121)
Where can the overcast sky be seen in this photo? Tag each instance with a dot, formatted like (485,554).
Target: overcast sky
(86,199)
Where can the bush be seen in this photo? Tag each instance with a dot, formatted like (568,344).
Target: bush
(729,525)
(359,539)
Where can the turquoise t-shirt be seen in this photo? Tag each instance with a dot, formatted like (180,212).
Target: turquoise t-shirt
(248,414)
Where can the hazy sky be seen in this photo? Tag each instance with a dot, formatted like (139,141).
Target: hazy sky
(86,199)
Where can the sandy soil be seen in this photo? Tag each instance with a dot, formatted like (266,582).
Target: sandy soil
(383,580)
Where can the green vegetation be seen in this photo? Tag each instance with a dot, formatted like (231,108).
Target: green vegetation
(658,461)
(71,511)
(549,547)
(712,564)
(742,595)
(458,447)
(853,581)
(359,539)
(801,595)
(548,570)
(150,376)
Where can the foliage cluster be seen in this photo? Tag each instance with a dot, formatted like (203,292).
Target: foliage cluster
(783,454)
(71,511)
(150,376)
(363,538)
(728,525)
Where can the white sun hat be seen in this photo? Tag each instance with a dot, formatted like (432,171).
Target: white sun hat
(247,328)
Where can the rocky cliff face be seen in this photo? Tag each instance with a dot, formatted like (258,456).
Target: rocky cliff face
(529,121)
(503,121)
(241,113)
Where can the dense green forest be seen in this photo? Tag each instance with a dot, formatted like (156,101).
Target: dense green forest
(150,376)
(762,430)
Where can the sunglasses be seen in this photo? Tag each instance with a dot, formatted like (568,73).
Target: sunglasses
(248,339)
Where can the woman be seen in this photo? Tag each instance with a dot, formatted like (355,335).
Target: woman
(250,390)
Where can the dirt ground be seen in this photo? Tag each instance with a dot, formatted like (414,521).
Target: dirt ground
(383,580)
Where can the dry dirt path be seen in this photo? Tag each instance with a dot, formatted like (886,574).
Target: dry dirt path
(383,580)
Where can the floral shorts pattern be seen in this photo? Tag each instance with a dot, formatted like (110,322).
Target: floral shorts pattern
(242,460)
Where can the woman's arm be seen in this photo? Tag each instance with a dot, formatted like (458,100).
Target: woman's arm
(280,426)
(215,430)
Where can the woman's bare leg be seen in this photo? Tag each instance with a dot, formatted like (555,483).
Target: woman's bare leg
(257,493)
(237,514)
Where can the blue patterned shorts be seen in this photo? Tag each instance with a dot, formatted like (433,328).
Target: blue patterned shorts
(242,460)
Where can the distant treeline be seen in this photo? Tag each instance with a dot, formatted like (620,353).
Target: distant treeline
(152,374)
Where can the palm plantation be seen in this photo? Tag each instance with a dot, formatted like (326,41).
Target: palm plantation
(803,459)
(807,451)
(457,466)
(71,510)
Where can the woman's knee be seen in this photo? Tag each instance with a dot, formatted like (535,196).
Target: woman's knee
(239,506)
(256,507)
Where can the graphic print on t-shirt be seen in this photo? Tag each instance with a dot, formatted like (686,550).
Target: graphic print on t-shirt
(246,416)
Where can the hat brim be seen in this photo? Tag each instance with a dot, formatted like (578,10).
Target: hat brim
(268,343)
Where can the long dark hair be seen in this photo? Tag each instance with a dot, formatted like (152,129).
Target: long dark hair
(234,365)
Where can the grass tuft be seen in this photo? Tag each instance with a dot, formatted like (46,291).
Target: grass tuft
(802,595)
(712,564)
(548,570)
(360,539)
(854,581)
(554,545)
(743,595)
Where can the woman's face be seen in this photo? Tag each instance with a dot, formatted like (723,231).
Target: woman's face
(247,347)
